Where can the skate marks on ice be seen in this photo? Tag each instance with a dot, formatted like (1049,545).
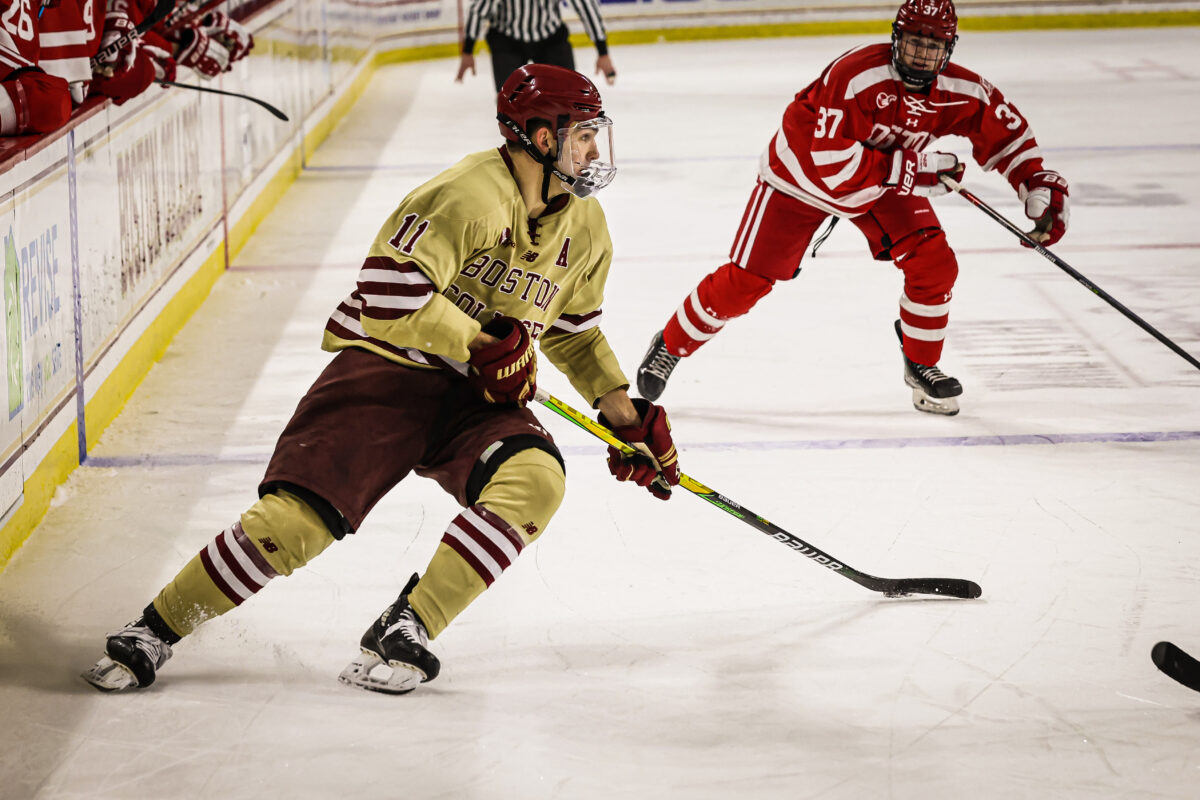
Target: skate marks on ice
(1009,355)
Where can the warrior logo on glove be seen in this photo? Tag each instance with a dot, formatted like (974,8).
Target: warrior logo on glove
(505,371)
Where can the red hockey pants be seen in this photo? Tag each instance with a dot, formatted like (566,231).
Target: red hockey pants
(776,231)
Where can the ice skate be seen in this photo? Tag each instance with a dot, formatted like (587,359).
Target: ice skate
(933,390)
(656,367)
(132,658)
(397,645)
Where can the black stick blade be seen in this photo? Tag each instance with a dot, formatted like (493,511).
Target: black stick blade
(1177,665)
(946,587)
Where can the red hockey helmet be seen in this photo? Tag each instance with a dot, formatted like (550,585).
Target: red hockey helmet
(935,19)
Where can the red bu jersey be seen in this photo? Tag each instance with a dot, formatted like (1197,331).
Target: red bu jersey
(70,36)
(833,150)
(18,35)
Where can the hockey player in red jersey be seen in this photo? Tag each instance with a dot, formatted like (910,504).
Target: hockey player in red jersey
(31,101)
(434,364)
(854,144)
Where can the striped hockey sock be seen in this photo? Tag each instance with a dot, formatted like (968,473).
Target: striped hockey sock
(727,292)
(476,548)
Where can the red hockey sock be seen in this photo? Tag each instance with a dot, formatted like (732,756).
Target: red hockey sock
(930,270)
(727,292)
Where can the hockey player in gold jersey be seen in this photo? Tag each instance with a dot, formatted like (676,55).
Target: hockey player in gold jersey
(433,366)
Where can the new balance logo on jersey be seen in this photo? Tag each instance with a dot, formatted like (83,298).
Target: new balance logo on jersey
(529,256)
(268,545)
(530,528)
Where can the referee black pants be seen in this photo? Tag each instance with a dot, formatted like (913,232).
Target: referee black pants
(508,53)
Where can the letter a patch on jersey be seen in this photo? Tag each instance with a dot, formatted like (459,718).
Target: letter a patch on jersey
(561,261)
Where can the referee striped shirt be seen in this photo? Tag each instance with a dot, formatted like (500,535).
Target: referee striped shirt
(531,20)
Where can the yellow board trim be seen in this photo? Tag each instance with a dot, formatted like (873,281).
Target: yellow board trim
(40,487)
(428,52)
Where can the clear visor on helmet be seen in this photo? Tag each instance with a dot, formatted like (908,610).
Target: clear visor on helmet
(585,152)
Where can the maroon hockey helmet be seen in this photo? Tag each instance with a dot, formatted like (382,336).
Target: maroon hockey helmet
(564,100)
(935,19)
(554,95)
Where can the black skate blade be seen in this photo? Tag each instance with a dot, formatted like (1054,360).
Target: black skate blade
(1177,665)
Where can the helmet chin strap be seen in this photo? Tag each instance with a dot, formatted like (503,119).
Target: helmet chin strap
(547,160)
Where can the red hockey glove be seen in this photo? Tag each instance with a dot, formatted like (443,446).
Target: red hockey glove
(39,103)
(126,84)
(1046,200)
(116,25)
(158,50)
(505,372)
(229,33)
(656,464)
(200,52)
(919,173)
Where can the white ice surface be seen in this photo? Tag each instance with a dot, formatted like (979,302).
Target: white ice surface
(645,649)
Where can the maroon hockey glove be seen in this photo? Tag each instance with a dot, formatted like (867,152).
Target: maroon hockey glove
(656,465)
(1046,200)
(232,35)
(920,173)
(505,372)
(200,52)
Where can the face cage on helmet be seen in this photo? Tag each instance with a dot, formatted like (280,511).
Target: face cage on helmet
(918,77)
(596,135)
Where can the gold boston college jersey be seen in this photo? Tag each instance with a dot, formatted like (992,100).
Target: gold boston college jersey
(462,249)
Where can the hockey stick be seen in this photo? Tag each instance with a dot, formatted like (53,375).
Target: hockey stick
(891,587)
(1177,664)
(161,9)
(262,103)
(955,186)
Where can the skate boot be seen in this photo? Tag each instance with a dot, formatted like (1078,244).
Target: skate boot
(933,390)
(656,367)
(132,657)
(397,639)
